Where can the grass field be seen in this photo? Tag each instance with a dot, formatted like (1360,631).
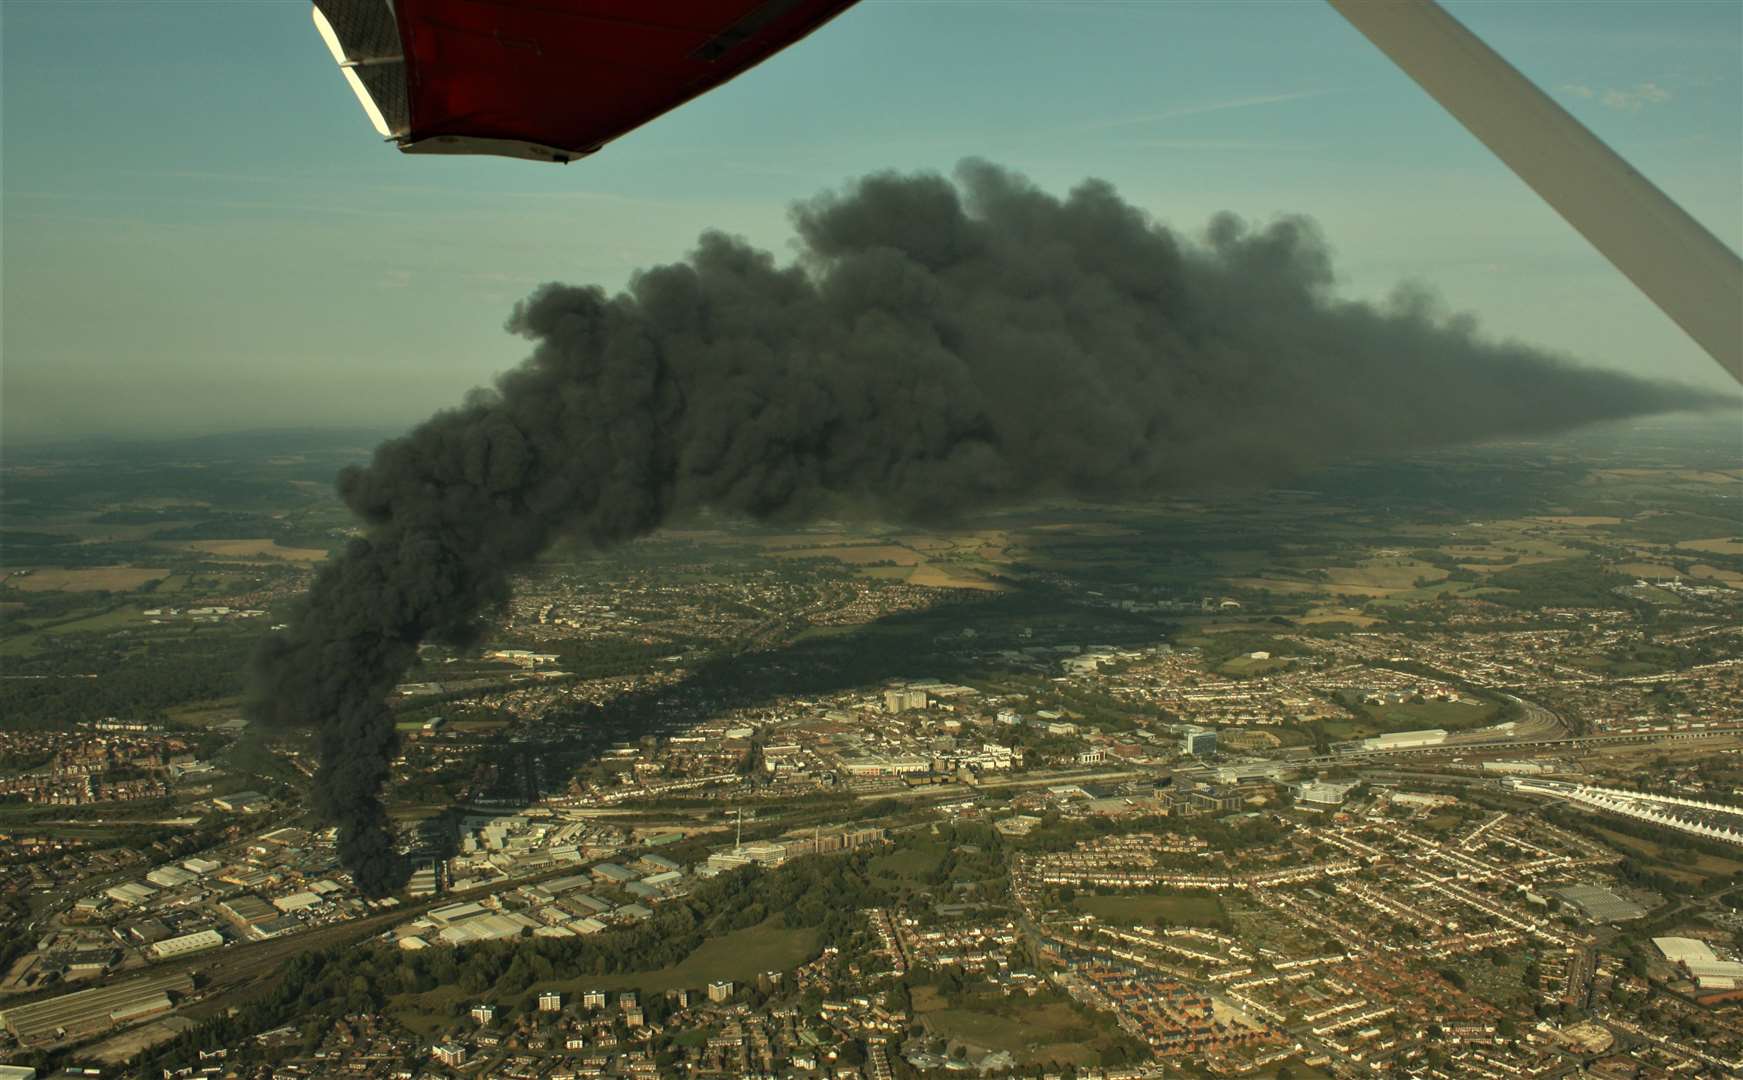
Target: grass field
(83,579)
(1704,865)
(1321,616)
(1145,910)
(258,548)
(93,620)
(1647,570)
(944,577)
(209,713)
(1452,715)
(740,956)
(856,554)
(938,561)
(1246,665)
(1031,1031)
(909,864)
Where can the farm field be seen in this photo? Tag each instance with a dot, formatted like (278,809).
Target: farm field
(935,560)
(83,579)
(261,548)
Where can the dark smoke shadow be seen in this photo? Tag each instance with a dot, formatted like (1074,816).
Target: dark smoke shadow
(928,644)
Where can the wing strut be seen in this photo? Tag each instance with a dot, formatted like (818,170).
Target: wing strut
(1688,272)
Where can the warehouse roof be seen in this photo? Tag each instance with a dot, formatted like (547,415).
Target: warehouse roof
(1680,950)
(1600,904)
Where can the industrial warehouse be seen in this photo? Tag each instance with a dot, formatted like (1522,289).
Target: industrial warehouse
(87,1011)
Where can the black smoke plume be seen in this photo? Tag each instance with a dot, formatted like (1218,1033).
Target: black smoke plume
(937,347)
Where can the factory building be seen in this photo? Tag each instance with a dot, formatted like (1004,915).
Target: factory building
(199,941)
(92,1012)
(1405,740)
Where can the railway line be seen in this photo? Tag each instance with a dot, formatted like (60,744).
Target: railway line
(1572,742)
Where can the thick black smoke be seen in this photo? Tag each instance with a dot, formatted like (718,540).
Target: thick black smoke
(938,347)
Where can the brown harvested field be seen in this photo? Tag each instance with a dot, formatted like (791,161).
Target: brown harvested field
(1718,545)
(857,555)
(259,548)
(83,579)
(1579,521)
(1714,573)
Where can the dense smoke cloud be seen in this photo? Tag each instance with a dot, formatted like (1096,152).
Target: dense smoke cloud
(938,347)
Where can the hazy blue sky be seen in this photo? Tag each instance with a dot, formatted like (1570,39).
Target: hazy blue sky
(202,232)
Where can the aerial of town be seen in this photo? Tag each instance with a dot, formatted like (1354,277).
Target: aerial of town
(1422,768)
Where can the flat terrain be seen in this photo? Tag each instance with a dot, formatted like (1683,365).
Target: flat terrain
(1032,1032)
(1147,910)
(262,547)
(83,579)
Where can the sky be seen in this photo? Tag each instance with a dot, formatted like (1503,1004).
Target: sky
(202,233)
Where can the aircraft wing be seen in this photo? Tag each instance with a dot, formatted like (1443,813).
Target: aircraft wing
(548,80)
(1688,272)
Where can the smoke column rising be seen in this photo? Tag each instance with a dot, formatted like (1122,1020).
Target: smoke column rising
(938,347)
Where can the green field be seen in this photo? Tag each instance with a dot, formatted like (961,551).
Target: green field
(740,956)
(1704,865)
(1380,719)
(1246,665)
(909,864)
(1033,1032)
(1452,715)
(92,620)
(1145,910)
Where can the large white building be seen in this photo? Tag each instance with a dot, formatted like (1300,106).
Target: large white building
(1405,740)
(199,941)
(132,893)
(170,877)
(1323,792)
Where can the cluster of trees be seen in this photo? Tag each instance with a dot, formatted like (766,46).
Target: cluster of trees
(136,681)
(1576,582)
(823,892)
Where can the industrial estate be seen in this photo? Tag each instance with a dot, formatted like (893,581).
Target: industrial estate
(1433,770)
